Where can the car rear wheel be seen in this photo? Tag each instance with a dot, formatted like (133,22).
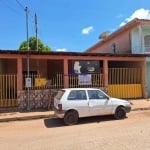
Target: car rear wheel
(120,113)
(71,118)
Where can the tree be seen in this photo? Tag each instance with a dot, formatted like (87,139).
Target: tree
(33,45)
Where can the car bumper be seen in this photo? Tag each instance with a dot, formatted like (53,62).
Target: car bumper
(58,113)
(128,109)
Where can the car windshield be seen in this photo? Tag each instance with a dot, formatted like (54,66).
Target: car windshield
(60,94)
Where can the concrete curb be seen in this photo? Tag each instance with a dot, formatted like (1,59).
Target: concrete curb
(25,118)
(22,118)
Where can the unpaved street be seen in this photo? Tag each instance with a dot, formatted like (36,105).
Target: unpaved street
(98,133)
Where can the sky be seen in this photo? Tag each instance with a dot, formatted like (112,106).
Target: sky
(66,25)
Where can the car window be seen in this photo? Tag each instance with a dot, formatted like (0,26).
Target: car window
(96,94)
(77,95)
(60,94)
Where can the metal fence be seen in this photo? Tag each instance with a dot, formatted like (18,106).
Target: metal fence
(8,90)
(122,83)
(124,75)
(39,82)
(87,80)
(125,82)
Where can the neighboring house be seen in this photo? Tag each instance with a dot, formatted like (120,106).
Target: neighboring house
(132,38)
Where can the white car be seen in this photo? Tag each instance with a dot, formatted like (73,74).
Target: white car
(74,103)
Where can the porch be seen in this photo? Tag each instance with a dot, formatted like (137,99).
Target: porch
(121,77)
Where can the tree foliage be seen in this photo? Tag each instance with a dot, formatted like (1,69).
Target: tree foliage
(33,45)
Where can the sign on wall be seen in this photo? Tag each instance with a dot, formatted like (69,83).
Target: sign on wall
(85,67)
(84,79)
(28,82)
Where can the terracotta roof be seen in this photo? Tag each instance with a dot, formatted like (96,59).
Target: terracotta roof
(71,53)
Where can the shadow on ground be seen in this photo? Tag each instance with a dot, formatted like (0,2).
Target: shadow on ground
(57,122)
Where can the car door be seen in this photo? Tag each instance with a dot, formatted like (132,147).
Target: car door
(99,103)
(77,99)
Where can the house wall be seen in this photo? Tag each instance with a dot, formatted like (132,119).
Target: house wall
(125,64)
(12,66)
(3,66)
(49,65)
(39,66)
(54,67)
(43,68)
(137,39)
(8,66)
(136,42)
(122,42)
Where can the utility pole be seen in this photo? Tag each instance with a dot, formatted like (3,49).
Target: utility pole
(28,79)
(36,35)
(36,31)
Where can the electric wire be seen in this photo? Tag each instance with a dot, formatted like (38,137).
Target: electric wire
(31,17)
(11,5)
(21,5)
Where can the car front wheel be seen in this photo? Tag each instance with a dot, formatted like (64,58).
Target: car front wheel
(120,113)
(71,118)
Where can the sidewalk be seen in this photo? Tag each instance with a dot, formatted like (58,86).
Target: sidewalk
(143,104)
(140,104)
(14,116)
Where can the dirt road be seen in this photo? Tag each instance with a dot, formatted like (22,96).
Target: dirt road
(98,133)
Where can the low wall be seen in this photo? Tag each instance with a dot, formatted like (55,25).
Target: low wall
(38,99)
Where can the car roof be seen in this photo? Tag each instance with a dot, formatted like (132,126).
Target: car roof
(80,89)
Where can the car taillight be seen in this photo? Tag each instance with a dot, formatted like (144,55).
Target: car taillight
(59,106)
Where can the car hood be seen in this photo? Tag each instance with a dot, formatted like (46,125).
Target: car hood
(121,101)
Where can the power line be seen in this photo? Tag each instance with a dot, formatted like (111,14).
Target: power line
(24,8)
(28,79)
(21,5)
(10,4)
(36,31)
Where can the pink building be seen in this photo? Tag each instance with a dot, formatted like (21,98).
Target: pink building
(119,64)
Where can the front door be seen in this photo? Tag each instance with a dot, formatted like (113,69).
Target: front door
(99,103)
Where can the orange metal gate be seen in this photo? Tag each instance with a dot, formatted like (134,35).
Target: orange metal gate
(125,82)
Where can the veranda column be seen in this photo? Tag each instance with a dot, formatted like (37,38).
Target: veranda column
(19,74)
(144,80)
(66,79)
(141,49)
(105,68)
